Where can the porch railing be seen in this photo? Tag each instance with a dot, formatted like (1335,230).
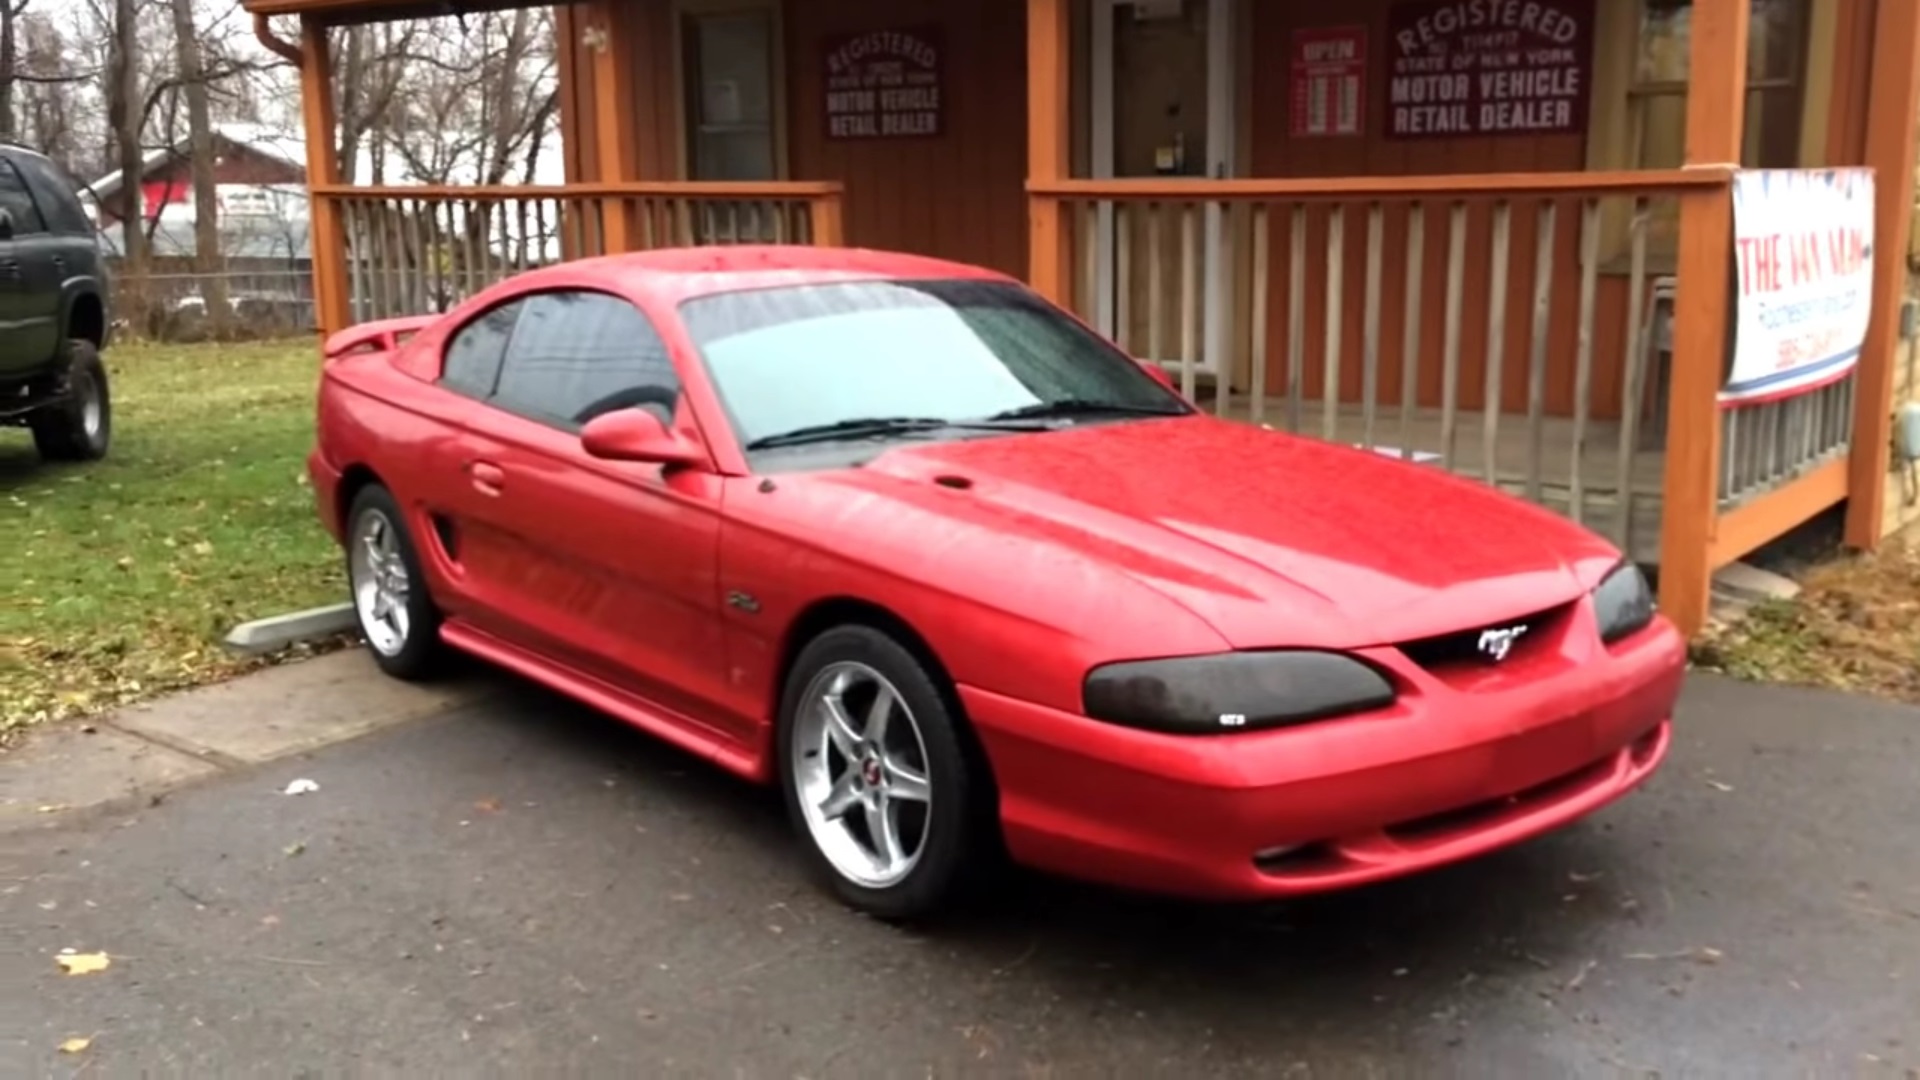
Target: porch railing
(1507,327)
(421,249)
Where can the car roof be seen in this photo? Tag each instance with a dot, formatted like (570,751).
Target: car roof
(675,274)
(7,146)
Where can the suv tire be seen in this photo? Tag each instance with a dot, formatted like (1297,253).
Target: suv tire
(78,426)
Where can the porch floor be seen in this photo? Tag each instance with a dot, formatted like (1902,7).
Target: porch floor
(1597,459)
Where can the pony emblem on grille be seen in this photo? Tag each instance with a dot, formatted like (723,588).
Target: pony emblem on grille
(1495,644)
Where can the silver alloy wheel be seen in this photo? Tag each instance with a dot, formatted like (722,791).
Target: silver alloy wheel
(378,576)
(85,387)
(860,772)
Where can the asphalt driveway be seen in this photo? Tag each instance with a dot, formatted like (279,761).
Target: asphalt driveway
(521,886)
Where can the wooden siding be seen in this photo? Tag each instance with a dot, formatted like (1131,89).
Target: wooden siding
(1275,153)
(957,196)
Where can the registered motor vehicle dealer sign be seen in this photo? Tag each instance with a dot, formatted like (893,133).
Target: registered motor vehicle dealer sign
(1803,254)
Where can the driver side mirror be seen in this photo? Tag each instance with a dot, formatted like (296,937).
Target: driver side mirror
(637,435)
(6,225)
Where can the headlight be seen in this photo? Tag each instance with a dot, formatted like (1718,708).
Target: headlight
(1623,603)
(1208,695)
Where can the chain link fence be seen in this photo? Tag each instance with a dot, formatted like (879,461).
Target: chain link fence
(172,304)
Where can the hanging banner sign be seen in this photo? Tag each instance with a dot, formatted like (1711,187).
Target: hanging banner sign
(1479,68)
(885,84)
(1328,77)
(1803,260)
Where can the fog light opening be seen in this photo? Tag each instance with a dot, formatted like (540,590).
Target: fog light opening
(1293,858)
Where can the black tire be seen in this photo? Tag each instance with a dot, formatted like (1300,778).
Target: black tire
(419,654)
(958,850)
(80,426)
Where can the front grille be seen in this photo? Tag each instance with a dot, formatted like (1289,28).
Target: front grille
(1478,647)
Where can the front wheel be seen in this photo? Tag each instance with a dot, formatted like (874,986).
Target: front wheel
(397,617)
(78,427)
(878,779)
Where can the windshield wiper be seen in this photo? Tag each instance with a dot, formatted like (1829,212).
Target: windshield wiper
(867,427)
(1080,407)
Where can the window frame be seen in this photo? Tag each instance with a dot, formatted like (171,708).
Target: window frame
(686,11)
(548,420)
(1612,141)
(7,168)
(52,185)
(1639,92)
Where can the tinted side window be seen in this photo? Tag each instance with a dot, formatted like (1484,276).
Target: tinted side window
(18,203)
(576,355)
(472,362)
(57,195)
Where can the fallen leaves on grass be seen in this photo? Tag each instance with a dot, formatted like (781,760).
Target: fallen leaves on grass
(1855,627)
(119,577)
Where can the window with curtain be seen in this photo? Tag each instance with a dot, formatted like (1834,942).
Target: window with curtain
(730,95)
(1776,65)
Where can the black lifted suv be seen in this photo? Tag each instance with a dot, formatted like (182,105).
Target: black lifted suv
(53,312)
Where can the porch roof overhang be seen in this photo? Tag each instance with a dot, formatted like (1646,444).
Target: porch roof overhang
(345,12)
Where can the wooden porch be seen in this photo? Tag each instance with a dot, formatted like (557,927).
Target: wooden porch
(1558,334)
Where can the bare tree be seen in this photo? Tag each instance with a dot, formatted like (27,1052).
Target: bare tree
(125,116)
(207,259)
(10,11)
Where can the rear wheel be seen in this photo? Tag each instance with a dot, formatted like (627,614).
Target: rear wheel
(878,779)
(397,617)
(78,427)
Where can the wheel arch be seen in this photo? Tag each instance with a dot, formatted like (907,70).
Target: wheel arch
(86,318)
(354,479)
(825,614)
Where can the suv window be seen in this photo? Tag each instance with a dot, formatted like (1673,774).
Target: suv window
(57,195)
(576,355)
(17,201)
(472,362)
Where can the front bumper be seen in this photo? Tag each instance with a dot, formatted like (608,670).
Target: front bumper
(1453,770)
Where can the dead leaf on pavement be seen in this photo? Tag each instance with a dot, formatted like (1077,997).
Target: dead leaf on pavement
(75,1045)
(1704,954)
(83,963)
(1718,786)
(487,806)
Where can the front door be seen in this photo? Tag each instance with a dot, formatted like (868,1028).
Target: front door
(29,284)
(1162,95)
(610,566)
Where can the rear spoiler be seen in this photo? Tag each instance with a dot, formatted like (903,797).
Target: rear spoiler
(383,335)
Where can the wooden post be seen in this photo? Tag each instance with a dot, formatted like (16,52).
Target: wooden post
(1716,111)
(325,235)
(1049,157)
(610,25)
(829,230)
(1892,111)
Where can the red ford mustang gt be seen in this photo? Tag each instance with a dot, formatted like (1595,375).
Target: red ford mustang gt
(966,581)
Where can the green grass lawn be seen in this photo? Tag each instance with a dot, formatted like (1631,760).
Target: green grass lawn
(118,578)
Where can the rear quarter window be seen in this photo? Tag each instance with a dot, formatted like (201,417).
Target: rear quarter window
(57,195)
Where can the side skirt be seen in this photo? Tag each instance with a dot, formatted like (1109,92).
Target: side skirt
(665,724)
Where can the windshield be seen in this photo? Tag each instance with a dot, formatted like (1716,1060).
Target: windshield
(801,358)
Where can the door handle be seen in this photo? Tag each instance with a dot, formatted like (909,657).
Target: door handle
(60,265)
(487,477)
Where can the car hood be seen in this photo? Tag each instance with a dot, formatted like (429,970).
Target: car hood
(1272,539)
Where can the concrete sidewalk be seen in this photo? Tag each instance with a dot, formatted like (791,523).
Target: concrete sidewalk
(134,755)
